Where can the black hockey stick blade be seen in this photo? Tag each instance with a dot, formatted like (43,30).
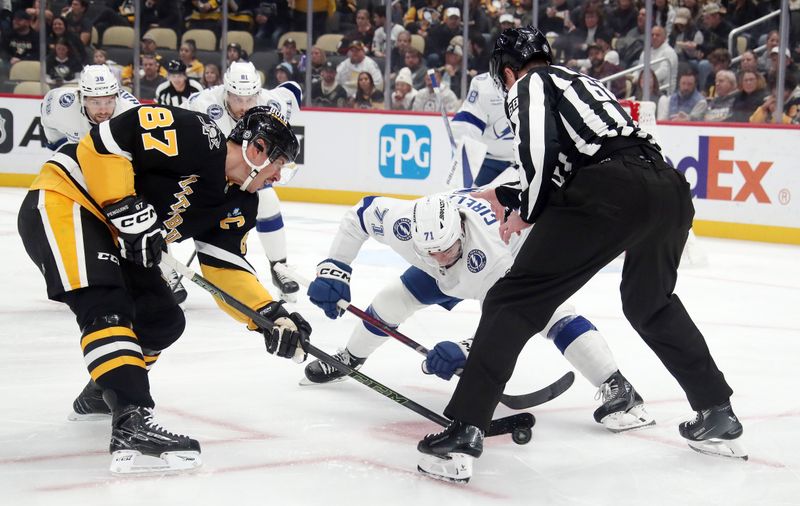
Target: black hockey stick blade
(538,397)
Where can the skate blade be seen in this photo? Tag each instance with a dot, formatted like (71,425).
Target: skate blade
(133,463)
(624,421)
(305,382)
(454,467)
(91,417)
(727,448)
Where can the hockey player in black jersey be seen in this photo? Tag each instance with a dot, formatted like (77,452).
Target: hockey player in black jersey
(95,221)
(596,186)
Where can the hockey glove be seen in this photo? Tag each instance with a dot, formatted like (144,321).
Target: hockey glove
(141,235)
(446,358)
(331,284)
(288,338)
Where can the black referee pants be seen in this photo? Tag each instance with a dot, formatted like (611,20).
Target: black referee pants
(625,204)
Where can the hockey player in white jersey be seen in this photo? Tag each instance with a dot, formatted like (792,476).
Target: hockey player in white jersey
(453,244)
(225,104)
(69,113)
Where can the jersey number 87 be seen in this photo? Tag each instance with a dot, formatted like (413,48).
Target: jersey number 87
(157,117)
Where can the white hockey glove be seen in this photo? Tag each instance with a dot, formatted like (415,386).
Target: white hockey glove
(446,358)
(289,337)
(141,236)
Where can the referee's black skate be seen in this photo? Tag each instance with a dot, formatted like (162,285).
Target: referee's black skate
(715,431)
(286,286)
(622,408)
(319,372)
(448,455)
(89,405)
(139,445)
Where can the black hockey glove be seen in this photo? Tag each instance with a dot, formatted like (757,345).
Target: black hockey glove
(141,236)
(288,338)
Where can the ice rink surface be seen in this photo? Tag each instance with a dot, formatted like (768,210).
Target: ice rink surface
(268,441)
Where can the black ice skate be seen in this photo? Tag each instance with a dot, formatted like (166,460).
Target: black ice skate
(319,372)
(287,287)
(89,405)
(141,446)
(622,408)
(715,431)
(448,455)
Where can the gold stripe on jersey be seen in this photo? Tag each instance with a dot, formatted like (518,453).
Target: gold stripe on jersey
(104,333)
(150,358)
(114,364)
(242,285)
(109,178)
(64,230)
(56,179)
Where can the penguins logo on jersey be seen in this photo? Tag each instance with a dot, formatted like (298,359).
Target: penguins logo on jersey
(66,100)
(476,261)
(214,111)
(211,131)
(402,229)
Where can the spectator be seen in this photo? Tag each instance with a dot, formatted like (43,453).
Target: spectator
(504,22)
(148,47)
(33,12)
(422,15)
(685,37)
(289,52)
(791,104)
(187,53)
(741,12)
(695,7)
(399,51)
(791,67)
(211,75)
(479,54)
(575,42)
(715,28)
(752,92)
(235,53)
(748,61)
(272,20)
(327,92)
(318,59)
(61,66)
(283,73)
(205,15)
(719,59)
(417,67)
(622,19)
(666,71)
(364,32)
(58,30)
(426,99)
(720,108)
(404,92)
(764,61)
(367,97)
(151,78)
(686,102)
(554,17)
(440,35)
(664,15)
(21,43)
(78,22)
(631,45)
(357,62)
(479,21)
(600,68)
(100,57)
(319,14)
(379,36)
(656,95)
(160,13)
(178,87)
(452,68)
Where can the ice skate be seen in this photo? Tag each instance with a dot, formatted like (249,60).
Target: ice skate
(693,255)
(448,455)
(715,431)
(287,287)
(89,405)
(622,408)
(318,372)
(140,446)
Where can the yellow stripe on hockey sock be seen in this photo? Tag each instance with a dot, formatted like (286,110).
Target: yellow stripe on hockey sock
(106,332)
(115,363)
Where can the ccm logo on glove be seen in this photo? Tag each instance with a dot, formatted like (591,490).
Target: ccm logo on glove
(332,272)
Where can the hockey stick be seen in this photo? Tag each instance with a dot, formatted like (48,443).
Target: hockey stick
(436,91)
(519,425)
(524,401)
(180,276)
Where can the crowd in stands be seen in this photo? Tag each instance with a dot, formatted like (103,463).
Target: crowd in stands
(696,78)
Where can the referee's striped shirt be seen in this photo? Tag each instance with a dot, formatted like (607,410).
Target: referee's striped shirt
(561,119)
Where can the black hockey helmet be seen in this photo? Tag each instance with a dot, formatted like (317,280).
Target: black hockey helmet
(514,48)
(176,67)
(261,122)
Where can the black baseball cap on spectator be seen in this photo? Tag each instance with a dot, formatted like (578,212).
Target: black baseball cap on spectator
(21,14)
(328,65)
(176,67)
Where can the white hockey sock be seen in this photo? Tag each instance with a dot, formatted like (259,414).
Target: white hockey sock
(590,355)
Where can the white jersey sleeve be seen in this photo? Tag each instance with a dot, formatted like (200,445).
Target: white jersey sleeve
(482,117)
(125,102)
(284,99)
(62,118)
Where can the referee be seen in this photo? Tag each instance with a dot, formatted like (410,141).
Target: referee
(596,186)
(178,87)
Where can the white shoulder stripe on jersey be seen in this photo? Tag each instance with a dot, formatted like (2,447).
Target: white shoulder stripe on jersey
(221,254)
(108,141)
(72,167)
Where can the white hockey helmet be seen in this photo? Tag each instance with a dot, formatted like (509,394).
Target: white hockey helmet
(242,79)
(435,225)
(98,81)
